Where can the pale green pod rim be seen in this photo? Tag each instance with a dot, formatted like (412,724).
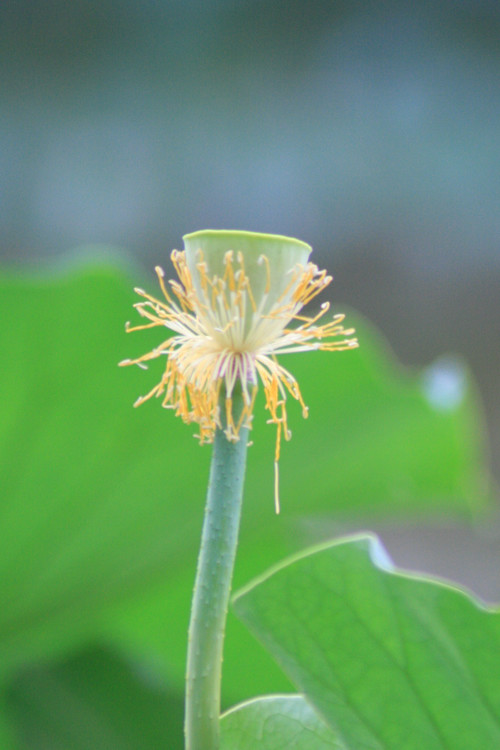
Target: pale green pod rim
(284,254)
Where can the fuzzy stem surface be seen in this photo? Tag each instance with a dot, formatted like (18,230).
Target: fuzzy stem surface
(213,587)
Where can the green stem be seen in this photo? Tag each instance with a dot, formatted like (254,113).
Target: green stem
(212,588)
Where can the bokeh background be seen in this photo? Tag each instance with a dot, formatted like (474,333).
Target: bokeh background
(369,130)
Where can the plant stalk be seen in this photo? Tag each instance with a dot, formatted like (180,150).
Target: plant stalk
(213,586)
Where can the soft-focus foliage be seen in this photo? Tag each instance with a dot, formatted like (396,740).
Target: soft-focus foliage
(102,504)
(94,700)
(275,722)
(391,662)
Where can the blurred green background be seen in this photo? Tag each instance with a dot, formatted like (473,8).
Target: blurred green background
(369,130)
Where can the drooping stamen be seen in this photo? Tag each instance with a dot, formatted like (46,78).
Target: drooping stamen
(222,336)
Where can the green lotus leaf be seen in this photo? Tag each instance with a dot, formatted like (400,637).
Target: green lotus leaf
(391,661)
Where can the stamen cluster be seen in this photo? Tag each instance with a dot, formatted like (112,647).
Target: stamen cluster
(225,337)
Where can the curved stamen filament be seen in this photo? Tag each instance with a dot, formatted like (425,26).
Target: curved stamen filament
(223,335)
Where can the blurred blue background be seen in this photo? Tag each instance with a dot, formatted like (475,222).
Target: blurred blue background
(370,130)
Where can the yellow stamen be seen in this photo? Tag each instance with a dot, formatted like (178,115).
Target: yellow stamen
(276,487)
(221,336)
(265,260)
